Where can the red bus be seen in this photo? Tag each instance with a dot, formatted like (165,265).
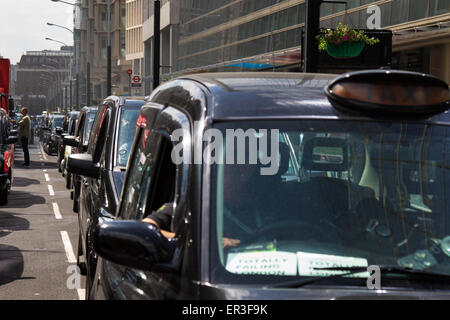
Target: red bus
(4,84)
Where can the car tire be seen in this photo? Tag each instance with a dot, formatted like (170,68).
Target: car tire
(76,200)
(91,265)
(68,180)
(4,196)
(80,265)
(59,164)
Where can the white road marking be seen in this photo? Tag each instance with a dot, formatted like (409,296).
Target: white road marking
(56,211)
(81,293)
(44,170)
(43,153)
(47,178)
(68,247)
(50,190)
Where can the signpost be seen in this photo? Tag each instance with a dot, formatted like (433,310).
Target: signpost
(129,73)
(136,82)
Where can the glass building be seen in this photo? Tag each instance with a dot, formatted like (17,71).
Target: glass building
(228,35)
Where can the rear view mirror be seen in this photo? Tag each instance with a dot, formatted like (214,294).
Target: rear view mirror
(133,244)
(70,141)
(325,154)
(82,164)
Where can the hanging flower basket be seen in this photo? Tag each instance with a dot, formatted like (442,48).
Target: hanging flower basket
(343,42)
(346,49)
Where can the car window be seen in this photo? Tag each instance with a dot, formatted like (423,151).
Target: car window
(138,181)
(57,122)
(88,127)
(127,129)
(96,128)
(368,193)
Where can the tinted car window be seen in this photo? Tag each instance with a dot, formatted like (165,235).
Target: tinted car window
(127,129)
(368,193)
(57,122)
(88,127)
(138,182)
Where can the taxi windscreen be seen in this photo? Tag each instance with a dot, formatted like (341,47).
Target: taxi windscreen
(344,194)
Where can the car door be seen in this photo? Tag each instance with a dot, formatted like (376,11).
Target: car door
(153,180)
(90,197)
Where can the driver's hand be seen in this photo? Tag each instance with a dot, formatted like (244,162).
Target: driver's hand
(228,242)
(167,234)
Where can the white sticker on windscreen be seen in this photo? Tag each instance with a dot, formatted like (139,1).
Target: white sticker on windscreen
(310,264)
(263,263)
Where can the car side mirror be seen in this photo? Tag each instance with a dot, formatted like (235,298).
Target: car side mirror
(59,130)
(84,148)
(12,140)
(83,164)
(70,141)
(13,132)
(133,244)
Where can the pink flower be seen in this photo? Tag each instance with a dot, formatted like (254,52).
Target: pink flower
(346,38)
(336,42)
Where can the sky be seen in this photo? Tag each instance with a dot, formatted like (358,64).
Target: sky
(23,26)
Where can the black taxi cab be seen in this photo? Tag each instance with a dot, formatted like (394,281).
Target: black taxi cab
(102,170)
(284,186)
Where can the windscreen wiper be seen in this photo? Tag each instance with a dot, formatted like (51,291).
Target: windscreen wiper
(394,270)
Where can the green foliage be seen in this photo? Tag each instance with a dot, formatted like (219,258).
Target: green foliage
(342,34)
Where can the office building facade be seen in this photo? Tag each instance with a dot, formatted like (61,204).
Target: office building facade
(93,38)
(228,35)
(42,80)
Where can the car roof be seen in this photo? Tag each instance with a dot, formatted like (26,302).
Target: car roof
(268,94)
(132,103)
(273,95)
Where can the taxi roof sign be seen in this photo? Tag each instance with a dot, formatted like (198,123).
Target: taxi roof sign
(389,92)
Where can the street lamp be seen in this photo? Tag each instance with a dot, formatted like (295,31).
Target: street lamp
(49,39)
(57,25)
(76,64)
(72,4)
(108,50)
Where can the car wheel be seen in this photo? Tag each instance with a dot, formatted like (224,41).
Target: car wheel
(4,196)
(76,200)
(68,180)
(59,163)
(80,265)
(91,265)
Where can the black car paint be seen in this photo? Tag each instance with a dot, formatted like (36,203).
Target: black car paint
(99,197)
(81,132)
(207,99)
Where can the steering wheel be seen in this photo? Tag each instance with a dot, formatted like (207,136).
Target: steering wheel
(291,229)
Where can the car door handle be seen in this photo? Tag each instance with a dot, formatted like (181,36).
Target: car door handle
(85,182)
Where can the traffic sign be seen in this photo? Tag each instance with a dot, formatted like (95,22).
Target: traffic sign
(129,72)
(136,79)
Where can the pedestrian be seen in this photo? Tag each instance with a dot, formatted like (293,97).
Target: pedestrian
(24,133)
(32,130)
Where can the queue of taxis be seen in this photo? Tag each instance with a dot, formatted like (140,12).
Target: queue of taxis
(283,186)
